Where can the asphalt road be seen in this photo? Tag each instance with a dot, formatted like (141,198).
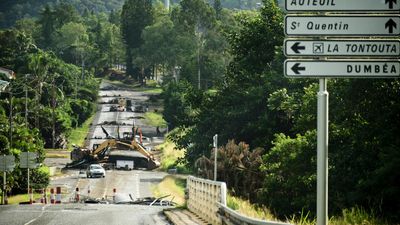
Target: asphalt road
(126,119)
(81,214)
(137,183)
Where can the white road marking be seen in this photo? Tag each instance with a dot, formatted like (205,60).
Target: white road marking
(137,181)
(41,214)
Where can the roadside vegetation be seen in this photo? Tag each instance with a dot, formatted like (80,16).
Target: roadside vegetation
(46,54)
(170,156)
(79,134)
(16,199)
(155,119)
(174,186)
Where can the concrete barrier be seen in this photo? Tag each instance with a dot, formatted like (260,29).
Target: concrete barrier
(205,197)
(53,170)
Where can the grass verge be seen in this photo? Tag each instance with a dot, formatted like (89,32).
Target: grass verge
(174,186)
(16,199)
(155,119)
(245,208)
(151,86)
(57,155)
(352,216)
(78,135)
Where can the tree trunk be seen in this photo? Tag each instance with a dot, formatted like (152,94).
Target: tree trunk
(129,64)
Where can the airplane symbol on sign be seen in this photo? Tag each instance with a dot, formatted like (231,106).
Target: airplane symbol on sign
(318,47)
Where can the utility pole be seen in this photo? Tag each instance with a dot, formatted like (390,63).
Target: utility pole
(11,114)
(4,187)
(215,143)
(26,101)
(198,65)
(199,46)
(53,106)
(83,67)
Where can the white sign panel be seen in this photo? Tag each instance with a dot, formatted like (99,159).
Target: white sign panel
(302,47)
(343,5)
(346,25)
(7,163)
(28,160)
(342,68)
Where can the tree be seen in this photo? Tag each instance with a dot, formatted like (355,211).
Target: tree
(29,27)
(135,16)
(238,109)
(14,45)
(46,21)
(194,16)
(72,41)
(217,8)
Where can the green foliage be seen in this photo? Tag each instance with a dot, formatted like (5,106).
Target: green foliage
(135,16)
(11,11)
(290,180)
(255,104)
(4,145)
(155,119)
(49,83)
(82,109)
(194,16)
(181,101)
(14,45)
(217,8)
(40,177)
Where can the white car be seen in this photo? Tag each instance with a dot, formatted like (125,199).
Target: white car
(95,170)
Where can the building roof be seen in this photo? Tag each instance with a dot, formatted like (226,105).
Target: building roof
(10,74)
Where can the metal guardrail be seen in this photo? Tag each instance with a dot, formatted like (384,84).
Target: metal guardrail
(231,217)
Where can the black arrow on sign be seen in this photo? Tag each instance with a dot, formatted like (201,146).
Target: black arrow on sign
(296,47)
(296,68)
(390,24)
(391,3)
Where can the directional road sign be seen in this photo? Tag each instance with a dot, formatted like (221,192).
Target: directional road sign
(7,163)
(339,48)
(342,68)
(346,25)
(28,160)
(343,5)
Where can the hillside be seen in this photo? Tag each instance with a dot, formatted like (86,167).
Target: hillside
(13,10)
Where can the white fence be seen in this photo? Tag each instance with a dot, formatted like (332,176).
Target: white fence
(207,199)
(204,197)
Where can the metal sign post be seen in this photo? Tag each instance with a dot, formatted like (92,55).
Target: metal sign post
(361,54)
(322,153)
(4,187)
(215,143)
(28,160)
(7,163)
